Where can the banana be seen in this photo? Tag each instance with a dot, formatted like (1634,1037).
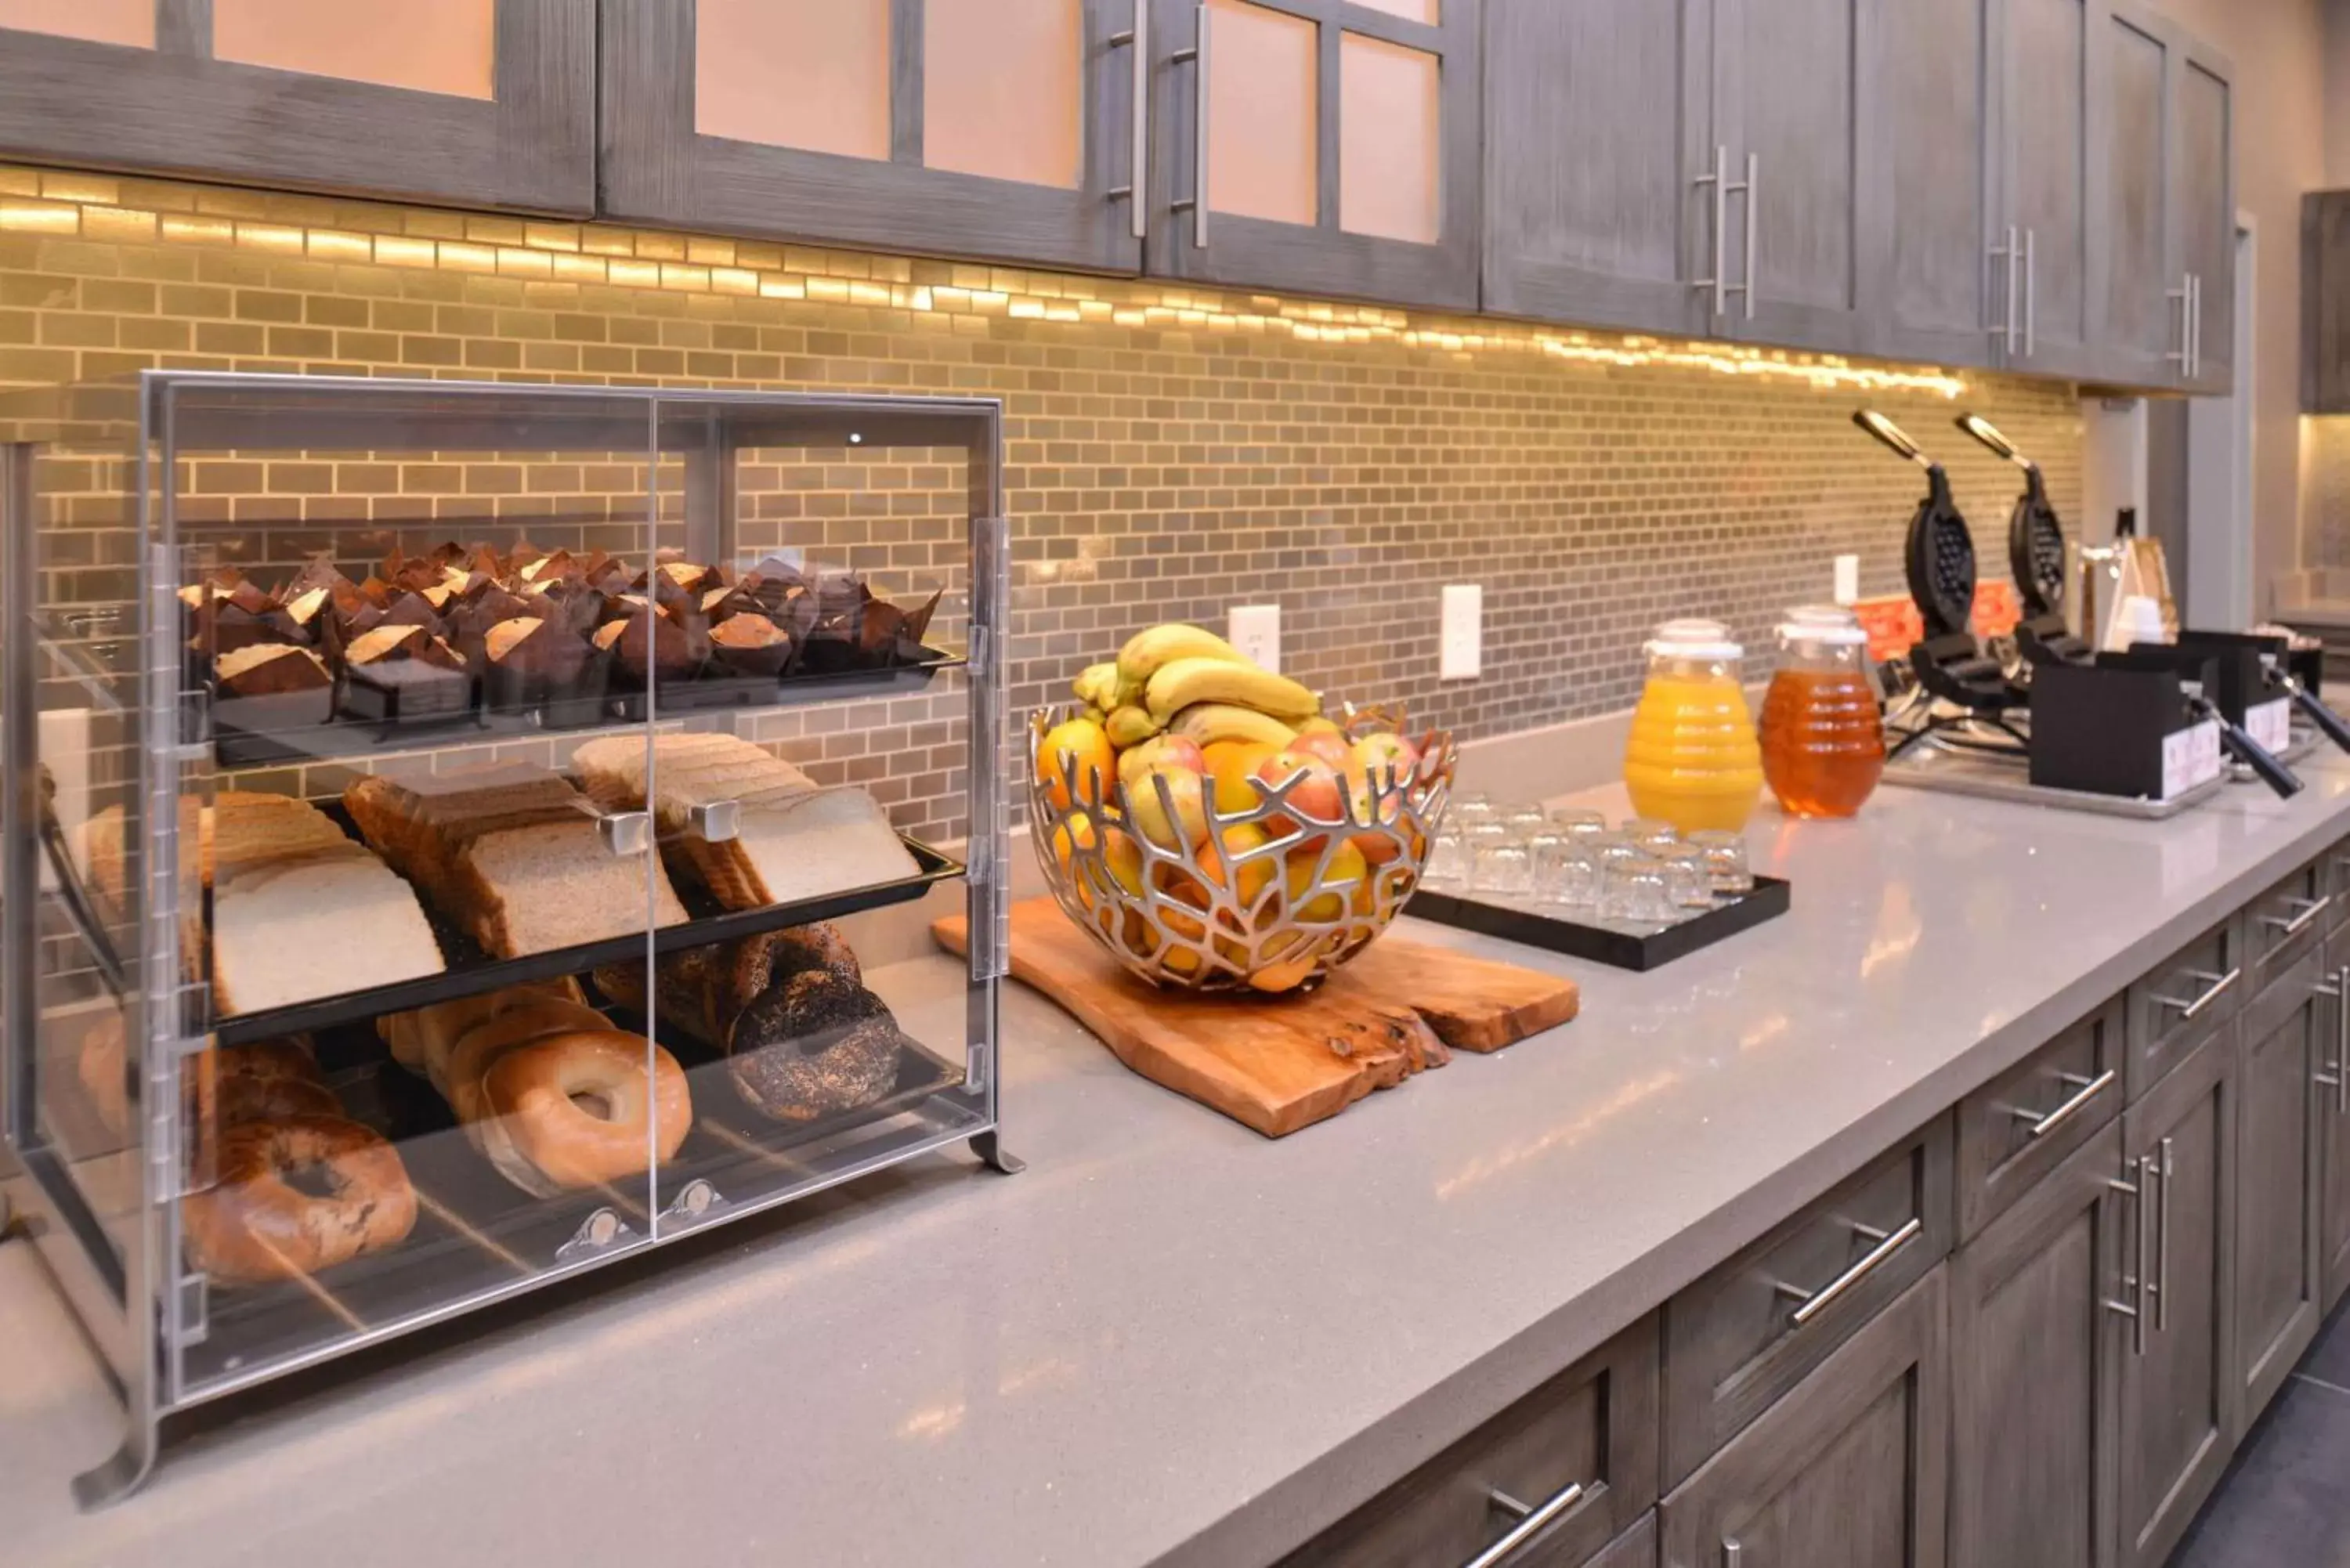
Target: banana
(1208,722)
(1130,726)
(1096,715)
(1148,652)
(1097,686)
(1186,682)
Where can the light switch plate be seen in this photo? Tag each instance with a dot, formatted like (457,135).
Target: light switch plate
(1255,631)
(1460,637)
(1847,579)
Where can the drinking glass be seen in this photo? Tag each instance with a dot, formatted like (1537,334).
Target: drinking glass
(1725,860)
(1525,821)
(1686,880)
(1578,820)
(1635,892)
(1472,808)
(1447,858)
(1499,862)
(1649,832)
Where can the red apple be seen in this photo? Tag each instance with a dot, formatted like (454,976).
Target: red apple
(1316,797)
(1329,744)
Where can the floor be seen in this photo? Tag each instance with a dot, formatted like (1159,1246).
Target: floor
(2285,1502)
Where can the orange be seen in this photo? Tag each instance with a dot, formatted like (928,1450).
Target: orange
(1077,748)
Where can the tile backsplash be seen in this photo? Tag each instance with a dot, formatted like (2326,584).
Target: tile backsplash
(1171,451)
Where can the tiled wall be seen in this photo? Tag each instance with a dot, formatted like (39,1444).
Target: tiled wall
(1171,451)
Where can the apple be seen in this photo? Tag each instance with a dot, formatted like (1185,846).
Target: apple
(1178,828)
(1314,795)
(1328,741)
(1159,750)
(1376,756)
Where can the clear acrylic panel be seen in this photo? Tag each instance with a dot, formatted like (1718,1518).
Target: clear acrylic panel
(447,47)
(1013,104)
(1390,139)
(1429,11)
(130,23)
(1264,109)
(811,73)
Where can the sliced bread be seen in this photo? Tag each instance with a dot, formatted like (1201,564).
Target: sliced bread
(314,927)
(803,846)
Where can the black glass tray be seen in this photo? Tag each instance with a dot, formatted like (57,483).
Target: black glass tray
(471,971)
(1633,947)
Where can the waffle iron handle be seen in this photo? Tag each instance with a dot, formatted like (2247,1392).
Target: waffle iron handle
(1891,434)
(1984,430)
(2249,751)
(2319,714)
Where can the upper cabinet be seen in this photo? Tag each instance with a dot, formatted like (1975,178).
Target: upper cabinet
(2143,308)
(1006,131)
(2206,213)
(482,103)
(1934,167)
(1593,208)
(2043,246)
(1323,146)
(2326,305)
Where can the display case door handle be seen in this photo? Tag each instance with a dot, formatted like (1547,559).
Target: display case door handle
(626,833)
(2213,984)
(2310,909)
(2134,1277)
(1197,201)
(1814,1302)
(2083,1091)
(1137,38)
(1530,1519)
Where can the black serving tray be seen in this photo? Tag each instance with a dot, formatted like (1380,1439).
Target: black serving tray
(472,972)
(1621,948)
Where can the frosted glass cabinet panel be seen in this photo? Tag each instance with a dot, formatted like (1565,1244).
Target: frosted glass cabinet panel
(1334,144)
(471,103)
(1002,129)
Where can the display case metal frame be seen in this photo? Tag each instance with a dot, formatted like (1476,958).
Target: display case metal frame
(138,1308)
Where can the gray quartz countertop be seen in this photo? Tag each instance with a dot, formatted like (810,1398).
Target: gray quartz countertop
(1172,1341)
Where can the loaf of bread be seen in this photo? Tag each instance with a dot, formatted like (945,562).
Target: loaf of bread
(687,771)
(800,847)
(511,853)
(703,991)
(296,930)
(240,826)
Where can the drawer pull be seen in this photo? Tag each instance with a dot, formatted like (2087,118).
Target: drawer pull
(2213,984)
(2084,1090)
(2341,1068)
(1529,1522)
(1733,1553)
(2310,909)
(1814,1302)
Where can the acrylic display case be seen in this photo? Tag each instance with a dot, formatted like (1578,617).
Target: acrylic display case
(441,821)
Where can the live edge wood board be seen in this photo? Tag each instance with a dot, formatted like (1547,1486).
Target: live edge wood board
(1278,1064)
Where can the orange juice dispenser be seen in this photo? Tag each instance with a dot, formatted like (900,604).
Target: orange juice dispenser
(1693,759)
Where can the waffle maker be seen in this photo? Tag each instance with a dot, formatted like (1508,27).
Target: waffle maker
(2035,557)
(1938,560)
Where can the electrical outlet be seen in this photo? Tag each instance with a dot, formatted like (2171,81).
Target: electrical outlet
(1255,631)
(1460,637)
(1847,579)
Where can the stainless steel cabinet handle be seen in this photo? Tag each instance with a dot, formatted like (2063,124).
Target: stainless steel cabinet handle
(1753,190)
(2195,324)
(2342,1042)
(1198,202)
(1814,1303)
(2162,1244)
(2310,909)
(2030,295)
(2185,352)
(1137,38)
(2014,288)
(2213,984)
(2134,1277)
(1718,280)
(1529,1521)
(1732,1554)
(2003,330)
(2084,1090)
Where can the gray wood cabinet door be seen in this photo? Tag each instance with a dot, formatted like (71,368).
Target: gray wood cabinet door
(496,109)
(2287,1043)
(2040,251)
(1597,127)
(2325,303)
(2037,1338)
(1321,146)
(1849,1470)
(2140,283)
(1795,95)
(2206,204)
(904,125)
(1933,166)
(2334,1126)
(2177,1404)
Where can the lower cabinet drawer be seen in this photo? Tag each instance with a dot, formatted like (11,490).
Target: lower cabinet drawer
(2181,1001)
(1748,1332)
(2022,1125)
(2284,924)
(1849,1470)
(1636,1548)
(1553,1481)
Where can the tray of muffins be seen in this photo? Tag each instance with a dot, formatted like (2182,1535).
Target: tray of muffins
(373,1171)
(429,649)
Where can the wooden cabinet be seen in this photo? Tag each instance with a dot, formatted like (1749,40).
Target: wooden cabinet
(1595,123)
(2142,303)
(2177,1393)
(480,103)
(2181,1001)
(2284,924)
(2041,249)
(2206,205)
(2020,1126)
(1744,1335)
(2325,303)
(1321,146)
(1848,1471)
(1932,167)
(2333,1125)
(2039,1328)
(1561,1475)
(1007,132)
(2287,1046)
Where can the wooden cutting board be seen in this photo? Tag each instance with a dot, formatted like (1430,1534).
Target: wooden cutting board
(1280,1063)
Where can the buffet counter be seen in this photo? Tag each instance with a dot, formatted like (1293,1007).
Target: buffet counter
(1170,1341)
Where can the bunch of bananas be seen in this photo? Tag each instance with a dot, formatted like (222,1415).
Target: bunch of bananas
(1206,820)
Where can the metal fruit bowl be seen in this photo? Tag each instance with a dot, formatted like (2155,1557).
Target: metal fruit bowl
(1271,898)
